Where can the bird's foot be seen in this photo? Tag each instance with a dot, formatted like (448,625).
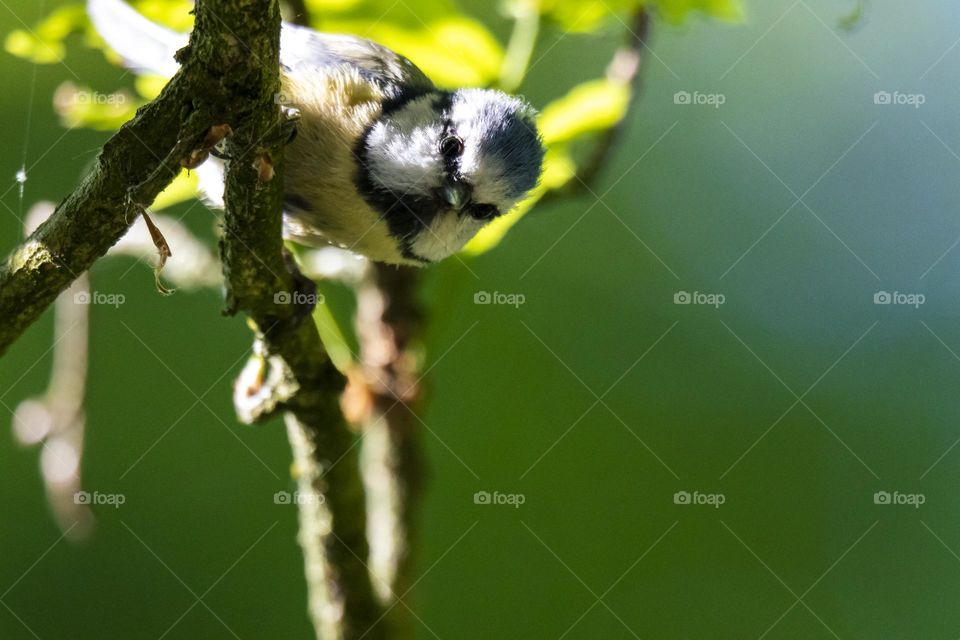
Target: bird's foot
(289,119)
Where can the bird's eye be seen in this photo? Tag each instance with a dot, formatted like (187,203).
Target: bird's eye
(451,146)
(484,211)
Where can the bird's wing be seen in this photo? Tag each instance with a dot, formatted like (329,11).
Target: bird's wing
(303,49)
(145,46)
(148,47)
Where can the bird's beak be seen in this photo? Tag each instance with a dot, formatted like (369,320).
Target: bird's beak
(456,194)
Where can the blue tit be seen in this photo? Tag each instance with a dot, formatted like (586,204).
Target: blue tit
(384,163)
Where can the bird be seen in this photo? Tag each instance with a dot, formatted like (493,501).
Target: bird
(384,163)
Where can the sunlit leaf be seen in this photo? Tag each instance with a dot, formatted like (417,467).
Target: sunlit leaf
(453,51)
(584,16)
(84,107)
(558,168)
(176,14)
(183,188)
(26,45)
(333,337)
(678,10)
(43,44)
(150,86)
(328,7)
(592,106)
(408,13)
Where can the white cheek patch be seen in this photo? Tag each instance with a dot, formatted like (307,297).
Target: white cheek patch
(402,151)
(446,235)
(484,171)
(489,186)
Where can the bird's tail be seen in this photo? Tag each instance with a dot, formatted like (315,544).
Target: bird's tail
(145,47)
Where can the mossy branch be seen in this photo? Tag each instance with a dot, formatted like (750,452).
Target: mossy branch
(303,383)
(228,78)
(135,165)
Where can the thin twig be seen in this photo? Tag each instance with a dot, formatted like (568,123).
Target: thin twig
(389,323)
(56,419)
(523,40)
(624,68)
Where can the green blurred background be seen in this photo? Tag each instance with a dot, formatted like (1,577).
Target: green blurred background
(694,200)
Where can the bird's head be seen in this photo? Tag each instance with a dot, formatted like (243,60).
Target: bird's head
(440,166)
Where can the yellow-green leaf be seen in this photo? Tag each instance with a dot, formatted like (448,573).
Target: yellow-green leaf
(584,16)
(175,14)
(591,106)
(330,7)
(408,13)
(183,188)
(28,46)
(453,51)
(83,107)
(43,44)
(333,338)
(678,10)
(150,86)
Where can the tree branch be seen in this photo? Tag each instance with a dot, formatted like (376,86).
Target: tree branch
(228,78)
(138,162)
(624,68)
(389,323)
(296,375)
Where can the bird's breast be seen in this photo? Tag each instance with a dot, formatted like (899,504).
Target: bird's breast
(323,205)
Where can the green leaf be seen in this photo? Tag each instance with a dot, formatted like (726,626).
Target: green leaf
(679,10)
(408,13)
(80,106)
(588,107)
(175,14)
(43,44)
(454,51)
(333,338)
(150,86)
(184,187)
(330,7)
(586,16)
